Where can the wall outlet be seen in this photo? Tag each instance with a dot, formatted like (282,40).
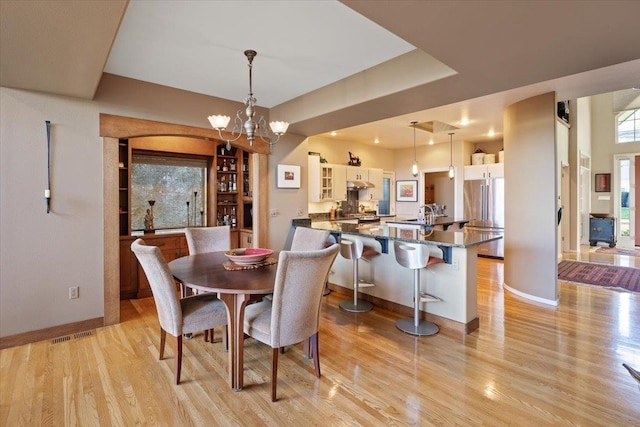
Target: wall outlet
(273,212)
(300,212)
(74,292)
(455,265)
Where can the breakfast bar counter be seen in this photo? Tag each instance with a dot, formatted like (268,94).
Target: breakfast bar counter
(453,282)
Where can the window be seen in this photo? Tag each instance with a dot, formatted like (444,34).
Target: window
(176,187)
(628,126)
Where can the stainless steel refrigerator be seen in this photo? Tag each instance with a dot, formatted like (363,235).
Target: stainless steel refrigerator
(484,206)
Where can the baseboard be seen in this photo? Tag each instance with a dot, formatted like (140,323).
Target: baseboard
(50,333)
(530,297)
(442,322)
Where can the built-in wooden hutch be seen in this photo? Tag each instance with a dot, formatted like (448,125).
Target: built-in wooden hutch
(238,165)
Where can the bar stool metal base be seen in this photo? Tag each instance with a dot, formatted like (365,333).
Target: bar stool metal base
(362,306)
(424,327)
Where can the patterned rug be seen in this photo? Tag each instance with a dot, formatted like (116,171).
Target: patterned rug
(618,251)
(608,276)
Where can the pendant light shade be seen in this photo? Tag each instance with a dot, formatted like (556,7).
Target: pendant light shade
(414,166)
(452,172)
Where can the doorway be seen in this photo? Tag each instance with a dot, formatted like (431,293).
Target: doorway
(625,194)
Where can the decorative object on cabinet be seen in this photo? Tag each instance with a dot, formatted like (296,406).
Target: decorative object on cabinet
(253,127)
(406,191)
(353,160)
(288,176)
(452,172)
(603,182)
(148,218)
(414,165)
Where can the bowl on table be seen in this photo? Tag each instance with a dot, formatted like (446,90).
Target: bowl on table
(248,256)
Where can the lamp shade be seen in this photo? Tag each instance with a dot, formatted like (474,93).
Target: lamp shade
(279,128)
(219,122)
(414,168)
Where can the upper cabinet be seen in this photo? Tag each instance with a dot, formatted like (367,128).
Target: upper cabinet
(355,173)
(375,192)
(339,182)
(493,170)
(321,180)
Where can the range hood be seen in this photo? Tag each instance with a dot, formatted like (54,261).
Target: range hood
(359,185)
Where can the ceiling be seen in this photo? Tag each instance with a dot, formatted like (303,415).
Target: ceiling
(365,69)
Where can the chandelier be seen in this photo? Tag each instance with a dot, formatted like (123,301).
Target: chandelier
(254,127)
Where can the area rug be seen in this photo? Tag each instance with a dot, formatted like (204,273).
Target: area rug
(608,276)
(618,251)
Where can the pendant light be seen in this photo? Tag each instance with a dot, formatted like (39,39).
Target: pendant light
(414,166)
(452,172)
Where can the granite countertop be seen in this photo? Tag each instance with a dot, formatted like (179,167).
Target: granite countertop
(458,239)
(439,220)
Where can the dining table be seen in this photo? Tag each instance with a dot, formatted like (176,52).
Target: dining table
(235,288)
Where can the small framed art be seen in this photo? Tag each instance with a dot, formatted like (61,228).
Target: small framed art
(603,182)
(406,191)
(288,176)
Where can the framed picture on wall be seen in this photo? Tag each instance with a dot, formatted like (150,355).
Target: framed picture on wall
(288,176)
(603,182)
(406,191)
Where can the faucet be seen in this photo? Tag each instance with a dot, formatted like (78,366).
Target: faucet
(430,219)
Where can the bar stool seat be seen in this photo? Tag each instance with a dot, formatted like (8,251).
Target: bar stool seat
(354,249)
(416,257)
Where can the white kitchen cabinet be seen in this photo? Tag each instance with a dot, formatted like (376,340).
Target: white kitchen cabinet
(339,182)
(355,173)
(321,180)
(375,192)
(493,170)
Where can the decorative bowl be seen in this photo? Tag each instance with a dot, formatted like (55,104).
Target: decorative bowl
(248,256)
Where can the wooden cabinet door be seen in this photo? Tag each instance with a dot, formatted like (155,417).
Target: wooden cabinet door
(315,192)
(339,182)
(246,239)
(375,192)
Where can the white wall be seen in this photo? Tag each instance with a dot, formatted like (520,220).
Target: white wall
(603,131)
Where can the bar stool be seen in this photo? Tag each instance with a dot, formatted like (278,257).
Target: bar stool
(416,257)
(354,249)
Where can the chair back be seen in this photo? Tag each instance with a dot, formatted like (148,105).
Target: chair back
(411,256)
(297,294)
(162,286)
(208,239)
(351,248)
(308,239)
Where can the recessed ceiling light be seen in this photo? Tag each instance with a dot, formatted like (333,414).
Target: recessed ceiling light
(376,141)
(334,133)
(491,133)
(464,122)
(431,142)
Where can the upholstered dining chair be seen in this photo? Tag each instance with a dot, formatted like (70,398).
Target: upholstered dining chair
(207,239)
(293,315)
(177,316)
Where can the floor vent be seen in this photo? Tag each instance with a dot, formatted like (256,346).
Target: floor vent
(68,337)
(61,339)
(83,334)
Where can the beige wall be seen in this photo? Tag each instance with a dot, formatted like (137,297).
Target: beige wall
(530,198)
(42,255)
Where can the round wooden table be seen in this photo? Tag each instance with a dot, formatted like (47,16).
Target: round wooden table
(235,288)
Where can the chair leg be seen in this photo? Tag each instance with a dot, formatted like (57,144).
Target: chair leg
(274,372)
(307,348)
(163,339)
(315,353)
(281,350)
(178,358)
(225,338)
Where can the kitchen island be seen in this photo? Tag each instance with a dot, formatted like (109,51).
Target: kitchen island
(453,282)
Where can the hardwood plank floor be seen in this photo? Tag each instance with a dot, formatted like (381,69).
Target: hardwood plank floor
(528,365)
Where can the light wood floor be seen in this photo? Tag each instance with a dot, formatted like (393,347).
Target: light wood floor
(528,365)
